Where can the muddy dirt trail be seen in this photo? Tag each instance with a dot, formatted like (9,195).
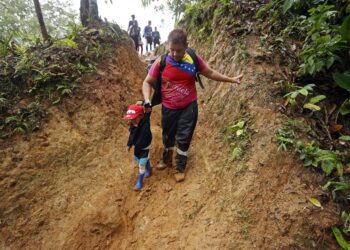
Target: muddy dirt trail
(70,186)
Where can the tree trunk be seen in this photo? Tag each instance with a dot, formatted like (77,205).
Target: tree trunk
(84,12)
(39,14)
(94,10)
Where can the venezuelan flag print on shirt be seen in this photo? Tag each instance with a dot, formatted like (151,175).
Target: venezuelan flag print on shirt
(178,81)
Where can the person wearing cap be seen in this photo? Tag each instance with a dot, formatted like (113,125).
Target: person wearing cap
(140,138)
(178,98)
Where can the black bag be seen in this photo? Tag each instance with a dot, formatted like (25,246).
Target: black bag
(157,96)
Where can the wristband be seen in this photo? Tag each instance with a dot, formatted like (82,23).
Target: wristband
(147,104)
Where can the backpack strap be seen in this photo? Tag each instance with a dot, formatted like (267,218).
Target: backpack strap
(157,96)
(196,64)
(162,62)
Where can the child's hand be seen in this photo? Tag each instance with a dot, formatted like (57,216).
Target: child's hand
(139,103)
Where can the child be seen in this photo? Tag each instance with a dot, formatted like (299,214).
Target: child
(140,137)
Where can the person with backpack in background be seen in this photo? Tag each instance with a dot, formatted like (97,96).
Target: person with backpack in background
(140,137)
(175,84)
(132,22)
(147,33)
(156,37)
(134,31)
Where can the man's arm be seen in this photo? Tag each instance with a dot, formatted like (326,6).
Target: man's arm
(147,88)
(216,76)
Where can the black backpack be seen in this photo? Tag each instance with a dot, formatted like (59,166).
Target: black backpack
(157,96)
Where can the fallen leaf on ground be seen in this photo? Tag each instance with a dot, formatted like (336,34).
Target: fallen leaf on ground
(333,128)
(315,202)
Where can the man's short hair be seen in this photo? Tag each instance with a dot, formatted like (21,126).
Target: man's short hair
(133,16)
(178,36)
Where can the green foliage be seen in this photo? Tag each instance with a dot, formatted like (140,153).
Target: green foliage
(340,239)
(344,138)
(338,188)
(308,103)
(312,155)
(288,4)
(345,28)
(285,138)
(311,103)
(241,53)
(48,73)
(239,138)
(225,2)
(64,89)
(66,42)
(5,46)
(327,160)
(323,41)
(320,25)
(73,30)
(345,107)
(320,54)
(270,7)
(198,19)
(96,51)
(309,153)
(345,218)
(343,80)
(3,101)
(305,90)
(18,19)
(26,119)
(23,65)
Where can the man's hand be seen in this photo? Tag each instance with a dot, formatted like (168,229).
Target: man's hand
(237,79)
(147,106)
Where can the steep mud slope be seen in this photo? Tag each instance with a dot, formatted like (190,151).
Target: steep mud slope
(260,200)
(70,186)
(61,187)
(264,193)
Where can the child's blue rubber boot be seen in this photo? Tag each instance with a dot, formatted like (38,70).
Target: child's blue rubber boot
(148,171)
(139,182)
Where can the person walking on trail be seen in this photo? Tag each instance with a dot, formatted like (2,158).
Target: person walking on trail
(156,37)
(140,137)
(140,43)
(147,33)
(132,22)
(134,31)
(178,98)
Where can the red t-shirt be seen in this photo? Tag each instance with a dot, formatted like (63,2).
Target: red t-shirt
(178,80)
